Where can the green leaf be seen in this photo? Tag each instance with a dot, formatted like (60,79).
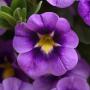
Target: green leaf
(6,9)
(84,50)
(33,6)
(17,14)
(37,8)
(18,4)
(4,24)
(20,14)
(8,18)
(83,33)
(24,14)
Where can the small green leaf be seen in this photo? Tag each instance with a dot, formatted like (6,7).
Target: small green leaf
(24,14)
(6,9)
(18,4)
(33,7)
(37,8)
(17,14)
(8,18)
(83,33)
(20,14)
(4,24)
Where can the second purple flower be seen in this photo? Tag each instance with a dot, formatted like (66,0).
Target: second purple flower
(46,45)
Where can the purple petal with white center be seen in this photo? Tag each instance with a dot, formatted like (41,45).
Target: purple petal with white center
(25,39)
(72,83)
(33,60)
(61,3)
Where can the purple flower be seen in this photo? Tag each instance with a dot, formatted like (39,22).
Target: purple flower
(46,45)
(15,84)
(84,10)
(61,3)
(75,79)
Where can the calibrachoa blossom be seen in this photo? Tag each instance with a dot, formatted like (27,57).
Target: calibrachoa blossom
(61,3)
(46,45)
(84,10)
(15,84)
(75,79)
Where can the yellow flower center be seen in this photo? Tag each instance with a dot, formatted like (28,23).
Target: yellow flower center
(9,71)
(46,43)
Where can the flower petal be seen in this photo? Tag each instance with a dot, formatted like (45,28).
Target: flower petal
(49,19)
(15,84)
(25,39)
(37,63)
(72,83)
(42,22)
(82,69)
(33,63)
(61,3)
(56,66)
(68,39)
(68,57)
(1,87)
(62,25)
(35,23)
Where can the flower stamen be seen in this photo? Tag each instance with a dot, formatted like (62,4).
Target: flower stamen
(46,43)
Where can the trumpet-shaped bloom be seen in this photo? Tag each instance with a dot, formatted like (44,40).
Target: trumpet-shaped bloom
(84,10)
(61,3)
(46,45)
